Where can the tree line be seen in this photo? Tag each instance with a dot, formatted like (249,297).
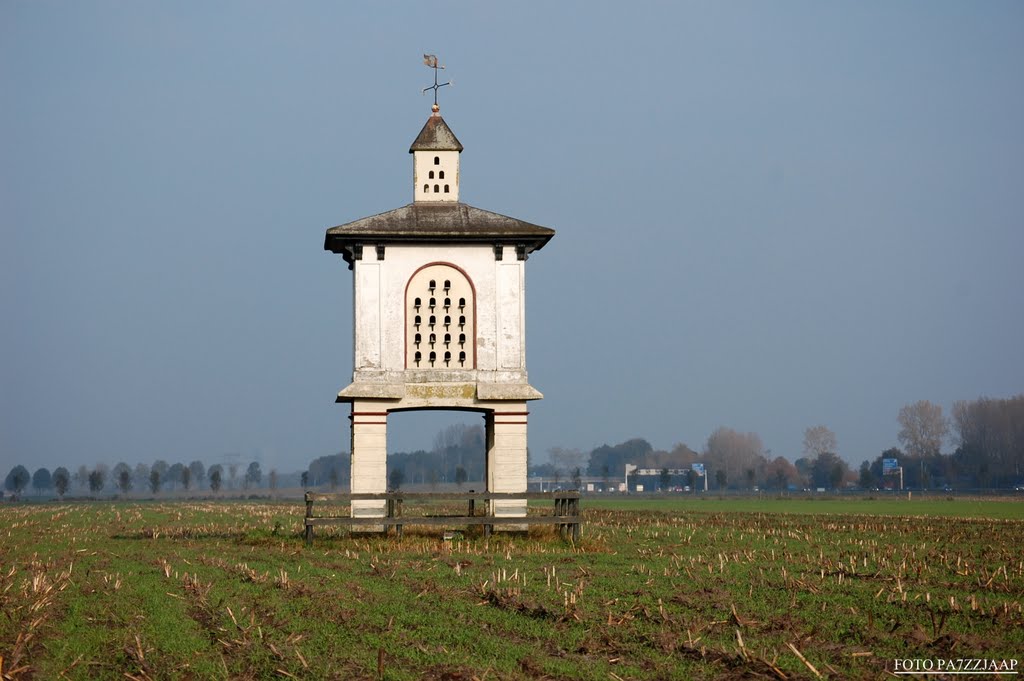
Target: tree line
(457,457)
(987,435)
(147,478)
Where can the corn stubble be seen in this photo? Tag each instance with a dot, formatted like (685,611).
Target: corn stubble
(227,590)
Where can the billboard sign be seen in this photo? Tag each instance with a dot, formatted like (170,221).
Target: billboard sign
(890,466)
(697,468)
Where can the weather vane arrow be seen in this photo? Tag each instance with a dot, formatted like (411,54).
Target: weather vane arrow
(430,60)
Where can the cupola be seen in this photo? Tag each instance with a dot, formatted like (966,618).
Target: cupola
(435,161)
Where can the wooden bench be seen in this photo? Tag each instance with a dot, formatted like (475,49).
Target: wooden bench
(566,514)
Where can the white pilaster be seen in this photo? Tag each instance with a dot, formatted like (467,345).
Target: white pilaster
(506,460)
(369,460)
(367,315)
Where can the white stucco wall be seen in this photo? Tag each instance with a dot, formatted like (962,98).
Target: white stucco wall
(423,164)
(380,321)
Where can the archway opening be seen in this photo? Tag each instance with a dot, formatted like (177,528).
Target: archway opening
(437,450)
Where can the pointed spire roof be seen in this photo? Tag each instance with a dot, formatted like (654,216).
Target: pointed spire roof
(436,135)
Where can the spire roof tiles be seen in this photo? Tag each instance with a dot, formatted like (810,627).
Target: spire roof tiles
(436,136)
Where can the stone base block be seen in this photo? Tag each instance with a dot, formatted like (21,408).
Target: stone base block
(368,509)
(509,508)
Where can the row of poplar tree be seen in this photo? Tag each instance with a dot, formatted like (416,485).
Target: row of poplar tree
(123,478)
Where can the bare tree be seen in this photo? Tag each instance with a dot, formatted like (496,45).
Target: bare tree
(734,453)
(990,435)
(141,475)
(198,472)
(820,440)
(566,460)
(81,476)
(922,428)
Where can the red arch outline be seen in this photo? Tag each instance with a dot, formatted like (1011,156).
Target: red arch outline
(405,304)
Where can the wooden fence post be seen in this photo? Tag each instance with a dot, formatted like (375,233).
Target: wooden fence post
(309,514)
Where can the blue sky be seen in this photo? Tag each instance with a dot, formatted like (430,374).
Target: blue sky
(770,215)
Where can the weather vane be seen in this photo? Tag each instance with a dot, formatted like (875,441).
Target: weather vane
(431,61)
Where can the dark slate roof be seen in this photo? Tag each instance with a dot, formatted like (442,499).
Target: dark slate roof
(436,136)
(436,222)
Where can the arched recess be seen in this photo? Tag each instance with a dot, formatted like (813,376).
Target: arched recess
(440,303)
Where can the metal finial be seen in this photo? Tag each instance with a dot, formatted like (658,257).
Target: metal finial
(431,61)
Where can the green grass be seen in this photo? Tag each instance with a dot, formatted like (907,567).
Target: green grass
(658,588)
(931,505)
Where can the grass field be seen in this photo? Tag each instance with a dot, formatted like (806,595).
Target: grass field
(932,505)
(657,589)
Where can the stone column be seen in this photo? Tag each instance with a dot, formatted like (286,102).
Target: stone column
(369,460)
(506,460)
